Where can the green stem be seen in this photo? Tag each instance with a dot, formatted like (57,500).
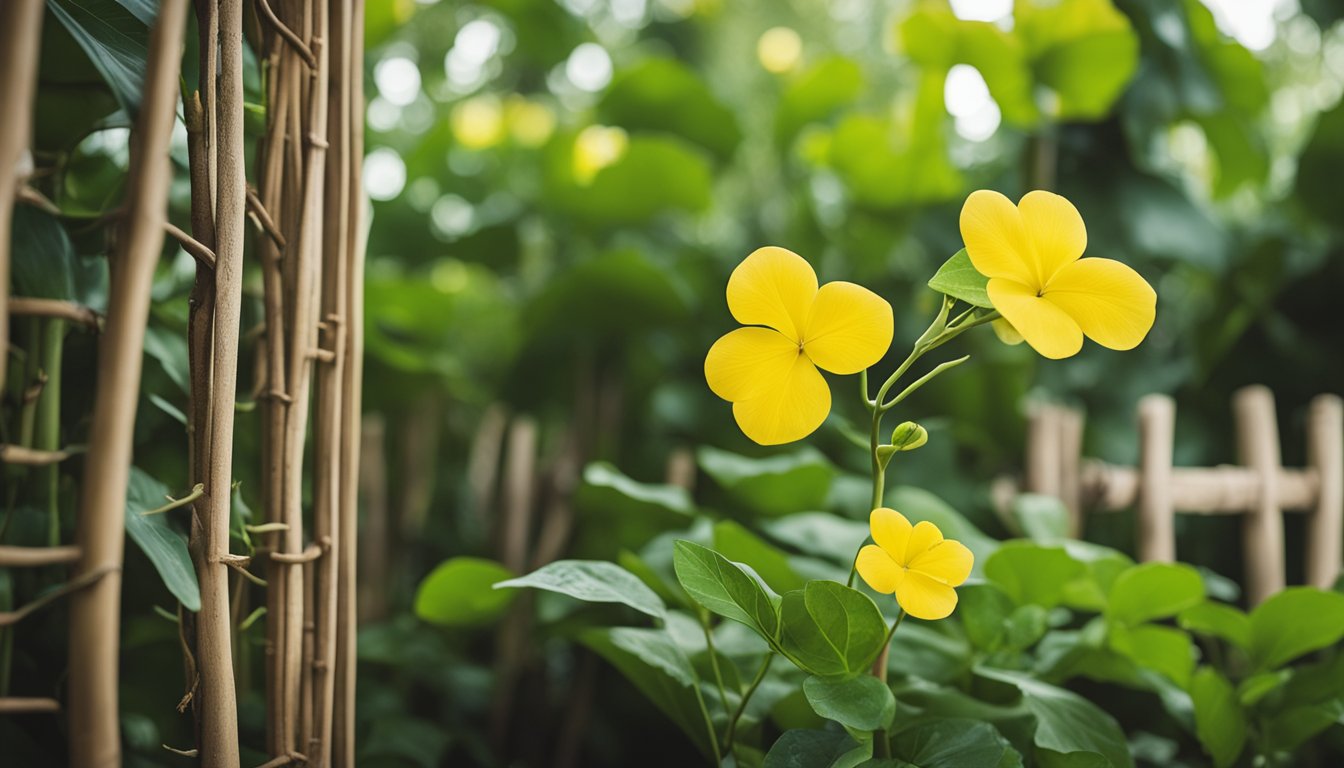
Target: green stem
(709,722)
(47,435)
(713,658)
(742,705)
(922,380)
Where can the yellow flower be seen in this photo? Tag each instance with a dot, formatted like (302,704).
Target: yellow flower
(914,562)
(769,373)
(1031,254)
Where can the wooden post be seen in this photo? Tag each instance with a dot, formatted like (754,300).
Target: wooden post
(1262,526)
(95,611)
(1157,434)
(1325,455)
(1043,449)
(1069,423)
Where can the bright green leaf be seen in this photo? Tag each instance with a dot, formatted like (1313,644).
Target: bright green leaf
(459,592)
(593,582)
(1154,591)
(959,279)
(729,589)
(830,629)
(1217,620)
(1032,574)
(1219,721)
(1295,621)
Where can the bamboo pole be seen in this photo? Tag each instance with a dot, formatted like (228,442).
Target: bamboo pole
(343,715)
(1157,432)
(95,610)
(20,35)
(217,697)
(1325,455)
(1262,527)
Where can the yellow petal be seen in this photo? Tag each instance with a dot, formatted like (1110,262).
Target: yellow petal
(745,362)
(1055,230)
(891,531)
(773,287)
(925,598)
(1046,327)
(923,536)
(948,561)
(1113,305)
(996,239)
(878,570)
(789,408)
(848,329)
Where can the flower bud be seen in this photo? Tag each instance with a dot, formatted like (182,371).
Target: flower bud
(908,436)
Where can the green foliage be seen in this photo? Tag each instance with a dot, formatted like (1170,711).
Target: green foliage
(829,629)
(165,546)
(728,589)
(959,279)
(786,482)
(115,38)
(859,703)
(1032,574)
(460,592)
(1154,591)
(1219,721)
(592,582)
(1293,622)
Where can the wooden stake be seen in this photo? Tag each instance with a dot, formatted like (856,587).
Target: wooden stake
(95,612)
(1325,455)
(20,35)
(1156,523)
(1262,527)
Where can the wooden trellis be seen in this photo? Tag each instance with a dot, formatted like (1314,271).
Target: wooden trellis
(1259,489)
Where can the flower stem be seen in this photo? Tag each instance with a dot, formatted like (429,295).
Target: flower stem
(881,745)
(742,705)
(713,658)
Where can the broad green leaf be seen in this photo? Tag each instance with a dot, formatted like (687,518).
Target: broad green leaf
(984,610)
(1154,591)
(816,94)
(165,547)
(1257,687)
(460,593)
(616,509)
(1104,565)
(1164,650)
(1084,51)
(959,279)
(831,630)
(809,749)
(114,40)
(820,534)
(1032,574)
(953,743)
(861,703)
(1217,620)
(1219,721)
(43,257)
(606,485)
(659,94)
(741,545)
(654,665)
(729,589)
(777,485)
(593,582)
(1066,722)
(1295,621)
(1291,728)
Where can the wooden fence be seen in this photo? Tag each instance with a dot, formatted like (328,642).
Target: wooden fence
(1259,488)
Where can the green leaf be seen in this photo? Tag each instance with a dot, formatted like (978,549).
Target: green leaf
(1084,51)
(831,630)
(1295,621)
(1032,574)
(1066,722)
(43,256)
(652,663)
(862,703)
(620,193)
(820,534)
(165,547)
(984,610)
(800,748)
(602,479)
(779,484)
(659,94)
(953,743)
(816,94)
(729,589)
(959,279)
(1164,650)
(1257,687)
(737,543)
(1291,728)
(593,582)
(1220,723)
(1217,620)
(616,509)
(459,593)
(1154,591)
(114,40)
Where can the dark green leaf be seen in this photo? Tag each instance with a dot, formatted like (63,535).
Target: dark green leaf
(593,582)
(780,484)
(862,703)
(115,41)
(830,629)
(165,547)
(1066,722)
(809,749)
(729,589)
(953,743)
(43,258)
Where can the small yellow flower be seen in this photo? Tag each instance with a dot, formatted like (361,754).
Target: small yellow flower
(914,562)
(770,373)
(1031,254)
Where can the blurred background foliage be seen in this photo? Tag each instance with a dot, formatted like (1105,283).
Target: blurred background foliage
(560,190)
